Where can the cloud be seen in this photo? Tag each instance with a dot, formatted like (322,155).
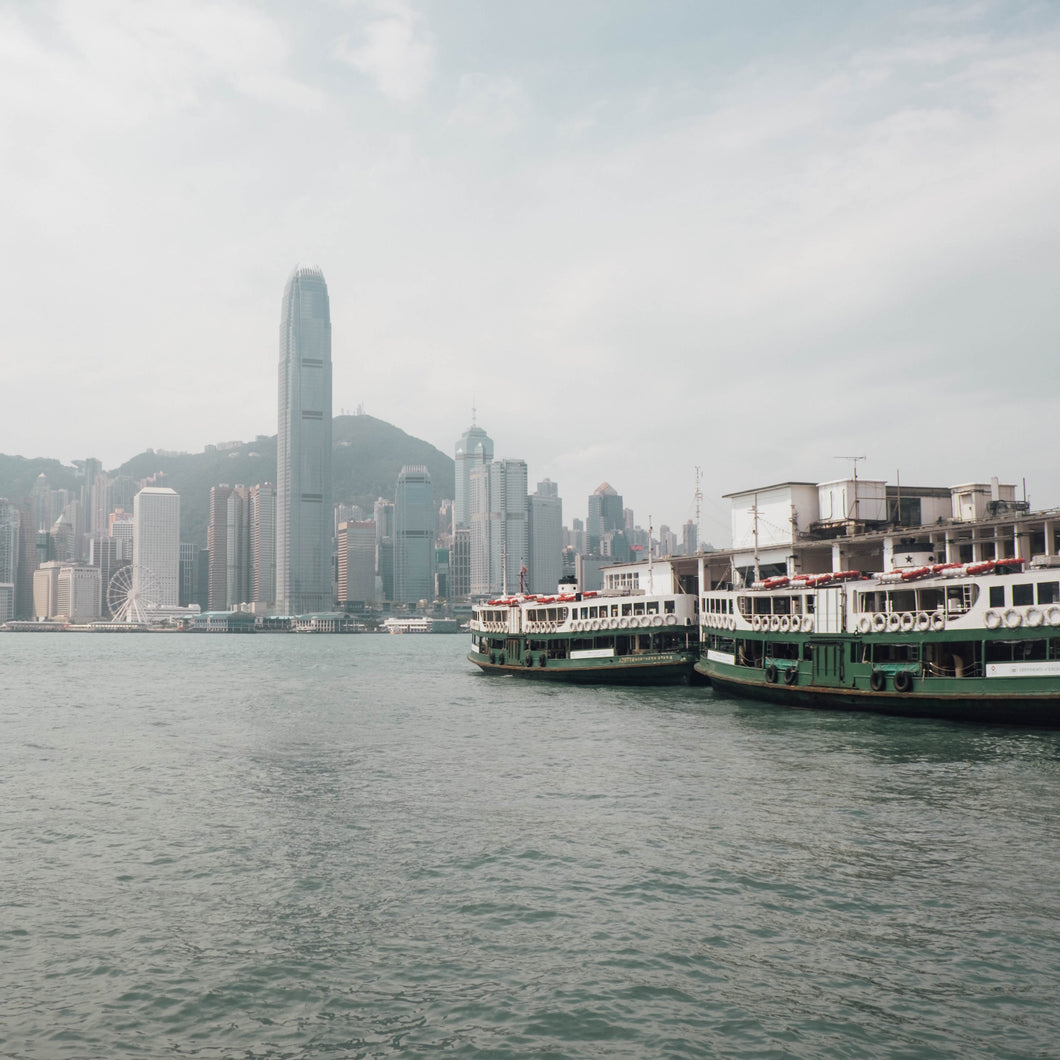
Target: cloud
(394,50)
(495,106)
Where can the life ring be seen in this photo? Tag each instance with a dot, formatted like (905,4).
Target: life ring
(623,623)
(594,623)
(991,620)
(877,680)
(732,623)
(923,622)
(756,623)
(1034,617)
(1052,616)
(864,624)
(938,620)
(791,675)
(908,621)
(893,622)
(774,623)
(879,622)
(785,623)
(1012,618)
(903,681)
(807,623)
(771,674)
(656,620)
(671,620)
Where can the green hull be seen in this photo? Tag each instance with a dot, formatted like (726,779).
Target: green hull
(662,669)
(1029,701)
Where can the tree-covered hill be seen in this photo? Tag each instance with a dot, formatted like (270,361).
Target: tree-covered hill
(368,455)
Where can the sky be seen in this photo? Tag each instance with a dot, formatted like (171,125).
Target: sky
(635,238)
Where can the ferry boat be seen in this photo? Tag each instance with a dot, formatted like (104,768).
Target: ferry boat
(971,641)
(623,634)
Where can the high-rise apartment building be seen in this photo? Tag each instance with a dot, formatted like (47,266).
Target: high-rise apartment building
(473,449)
(303,447)
(156,546)
(413,536)
(545,538)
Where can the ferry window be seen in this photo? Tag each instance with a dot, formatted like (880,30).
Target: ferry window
(1022,595)
(997,596)
(669,606)
(928,599)
(1048,592)
(1015,650)
(627,609)
(903,600)
(638,608)
(653,607)
(782,605)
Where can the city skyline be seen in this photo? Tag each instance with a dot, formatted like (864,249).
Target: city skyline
(652,239)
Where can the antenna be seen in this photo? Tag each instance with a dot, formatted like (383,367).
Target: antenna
(857,499)
(651,551)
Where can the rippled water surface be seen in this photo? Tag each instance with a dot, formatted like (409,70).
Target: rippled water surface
(360,847)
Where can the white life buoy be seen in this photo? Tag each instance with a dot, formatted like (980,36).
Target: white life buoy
(923,621)
(938,620)
(1012,618)
(991,620)
(774,623)
(1052,616)
(807,623)
(756,623)
(864,624)
(671,620)
(731,623)
(1034,616)
(907,622)
(785,623)
(656,620)
(623,623)
(893,622)
(879,622)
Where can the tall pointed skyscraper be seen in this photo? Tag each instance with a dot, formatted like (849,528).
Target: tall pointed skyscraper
(303,447)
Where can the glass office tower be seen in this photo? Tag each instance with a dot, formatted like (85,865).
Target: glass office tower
(303,447)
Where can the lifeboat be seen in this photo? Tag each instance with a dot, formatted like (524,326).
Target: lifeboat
(915,572)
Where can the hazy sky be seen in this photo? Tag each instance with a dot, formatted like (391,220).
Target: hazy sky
(638,237)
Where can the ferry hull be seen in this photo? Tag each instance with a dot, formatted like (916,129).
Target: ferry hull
(1001,706)
(678,670)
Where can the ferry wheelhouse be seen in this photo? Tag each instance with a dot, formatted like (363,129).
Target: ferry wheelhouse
(953,640)
(622,634)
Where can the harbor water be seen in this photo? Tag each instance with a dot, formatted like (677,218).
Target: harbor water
(360,846)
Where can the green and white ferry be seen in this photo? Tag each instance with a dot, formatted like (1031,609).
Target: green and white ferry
(971,641)
(621,634)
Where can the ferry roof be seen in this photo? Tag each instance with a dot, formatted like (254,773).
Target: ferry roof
(764,489)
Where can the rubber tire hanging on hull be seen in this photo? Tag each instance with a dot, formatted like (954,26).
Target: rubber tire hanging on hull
(877,681)
(903,681)
(771,674)
(791,675)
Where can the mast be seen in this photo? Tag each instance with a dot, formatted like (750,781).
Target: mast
(651,556)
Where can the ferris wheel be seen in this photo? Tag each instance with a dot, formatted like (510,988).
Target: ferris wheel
(132,593)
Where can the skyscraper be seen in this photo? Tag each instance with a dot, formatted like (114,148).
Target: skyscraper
(499,526)
(473,449)
(546,538)
(156,546)
(605,513)
(303,447)
(413,536)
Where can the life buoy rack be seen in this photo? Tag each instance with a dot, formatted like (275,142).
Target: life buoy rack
(771,674)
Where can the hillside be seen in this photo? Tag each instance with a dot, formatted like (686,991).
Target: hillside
(368,455)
